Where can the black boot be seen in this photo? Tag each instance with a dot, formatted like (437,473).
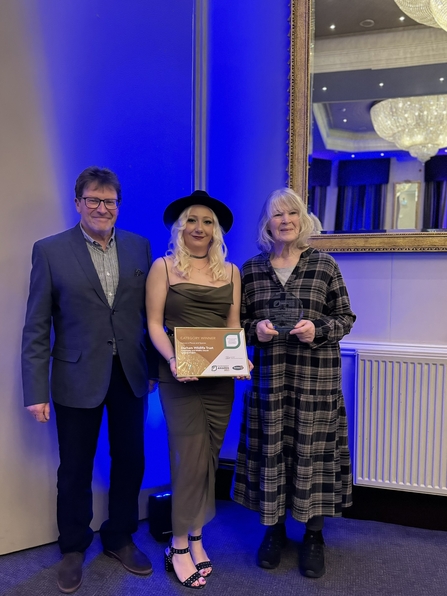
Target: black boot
(269,553)
(312,555)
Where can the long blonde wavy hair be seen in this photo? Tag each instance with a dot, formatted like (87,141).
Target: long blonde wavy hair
(181,256)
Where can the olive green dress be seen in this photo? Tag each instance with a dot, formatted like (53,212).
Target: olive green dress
(197,412)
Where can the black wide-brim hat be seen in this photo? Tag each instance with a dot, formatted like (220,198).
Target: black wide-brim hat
(199,197)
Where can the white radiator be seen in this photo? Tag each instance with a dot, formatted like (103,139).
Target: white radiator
(401,420)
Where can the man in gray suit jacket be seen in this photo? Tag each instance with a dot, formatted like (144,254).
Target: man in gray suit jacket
(88,286)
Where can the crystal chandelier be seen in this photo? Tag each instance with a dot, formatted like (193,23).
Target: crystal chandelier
(427,12)
(415,124)
(439,11)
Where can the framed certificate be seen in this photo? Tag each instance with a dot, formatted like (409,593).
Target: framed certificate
(210,352)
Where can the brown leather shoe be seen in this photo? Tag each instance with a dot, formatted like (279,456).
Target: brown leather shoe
(69,575)
(131,559)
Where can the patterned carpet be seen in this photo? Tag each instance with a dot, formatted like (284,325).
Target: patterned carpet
(362,558)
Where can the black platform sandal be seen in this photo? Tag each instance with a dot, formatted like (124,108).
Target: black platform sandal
(203,564)
(195,577)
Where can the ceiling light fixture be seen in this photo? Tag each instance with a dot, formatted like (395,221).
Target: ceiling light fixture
(427,12)
(415,124)
(367,23)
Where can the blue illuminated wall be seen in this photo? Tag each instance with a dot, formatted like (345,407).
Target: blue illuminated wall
(247,141)
(248,83)
(116,85)
(117,77)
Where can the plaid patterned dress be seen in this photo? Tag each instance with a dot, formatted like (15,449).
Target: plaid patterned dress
(293,450)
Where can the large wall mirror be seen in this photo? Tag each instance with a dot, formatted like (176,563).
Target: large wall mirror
(368,112)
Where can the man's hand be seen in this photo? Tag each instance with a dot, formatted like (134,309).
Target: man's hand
(41,412)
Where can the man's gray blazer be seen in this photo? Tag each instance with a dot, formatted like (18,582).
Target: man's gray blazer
(66,294)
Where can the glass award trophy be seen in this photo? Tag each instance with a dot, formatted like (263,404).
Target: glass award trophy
(285,311)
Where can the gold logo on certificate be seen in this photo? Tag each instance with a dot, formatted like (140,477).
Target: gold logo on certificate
(210,352)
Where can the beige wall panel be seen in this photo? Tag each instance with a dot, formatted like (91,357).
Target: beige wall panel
(30,210)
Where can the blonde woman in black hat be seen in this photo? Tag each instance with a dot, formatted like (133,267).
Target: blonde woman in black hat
(193,286)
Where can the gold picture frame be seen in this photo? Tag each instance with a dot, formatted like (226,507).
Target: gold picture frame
(299,127)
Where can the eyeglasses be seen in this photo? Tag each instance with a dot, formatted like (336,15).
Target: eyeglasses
(93,203)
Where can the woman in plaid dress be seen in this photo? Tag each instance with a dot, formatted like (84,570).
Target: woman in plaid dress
(293,450)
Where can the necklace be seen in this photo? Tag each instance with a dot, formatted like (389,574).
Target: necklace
(200,268)
(196,257)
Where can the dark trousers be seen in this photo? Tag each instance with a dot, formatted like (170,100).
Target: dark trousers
(78,431)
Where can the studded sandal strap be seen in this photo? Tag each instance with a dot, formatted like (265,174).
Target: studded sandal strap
(204,565)
(194,538)
(179,551)
(195,577)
